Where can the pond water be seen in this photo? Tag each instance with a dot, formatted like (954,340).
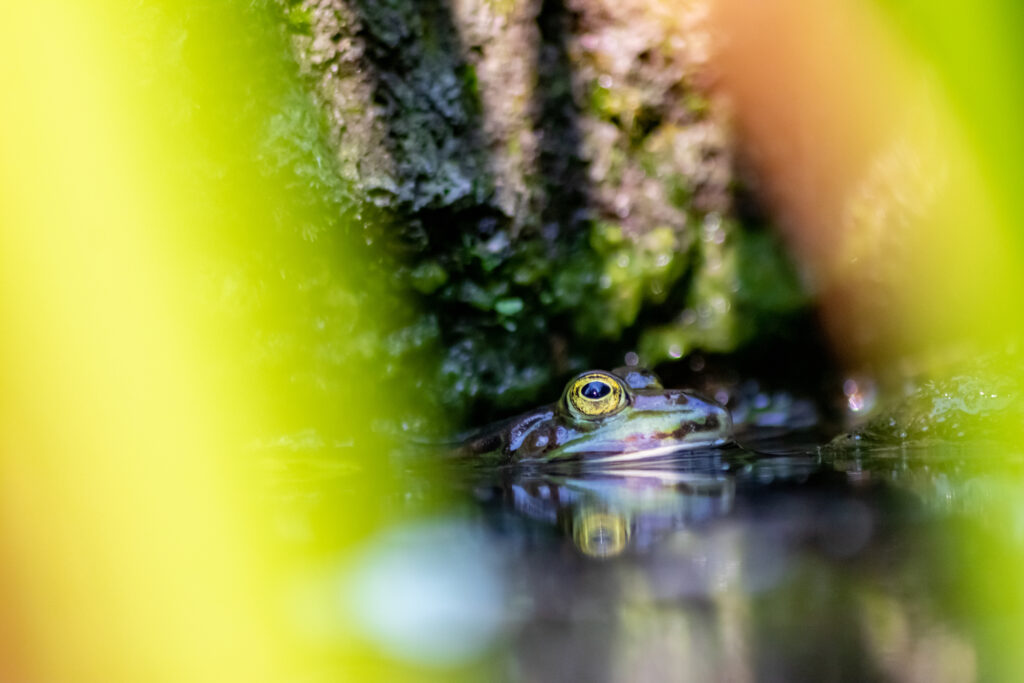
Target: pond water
(782,560)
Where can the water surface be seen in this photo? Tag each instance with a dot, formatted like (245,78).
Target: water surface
(783,560)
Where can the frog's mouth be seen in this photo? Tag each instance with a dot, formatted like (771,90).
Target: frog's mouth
(651,453)
(655,432)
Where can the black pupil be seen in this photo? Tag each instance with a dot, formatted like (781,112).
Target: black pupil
(596,390)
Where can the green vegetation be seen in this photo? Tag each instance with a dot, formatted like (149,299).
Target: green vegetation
(539,232)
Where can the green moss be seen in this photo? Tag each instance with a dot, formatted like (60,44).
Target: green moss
(573,284)
(634,272)
(768,282)
(697,103)
(743,286)
(502,8)
(470,83)
(509,305)
(299,17)
(622,105)
(710,320)
(514,148)
(428,276)
(530,270)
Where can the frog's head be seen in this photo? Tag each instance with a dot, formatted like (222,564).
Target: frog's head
(629,412)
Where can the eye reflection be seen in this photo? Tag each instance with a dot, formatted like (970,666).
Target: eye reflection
(596,390)
(599,533)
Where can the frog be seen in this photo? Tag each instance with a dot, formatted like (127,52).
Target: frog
(602,416)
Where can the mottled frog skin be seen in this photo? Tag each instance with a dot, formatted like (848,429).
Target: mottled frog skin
(606,416)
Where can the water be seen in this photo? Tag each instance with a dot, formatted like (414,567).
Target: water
(780,561)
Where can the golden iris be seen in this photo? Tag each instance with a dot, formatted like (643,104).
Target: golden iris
(595,394)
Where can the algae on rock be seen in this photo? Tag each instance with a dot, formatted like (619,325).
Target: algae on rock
(559,183)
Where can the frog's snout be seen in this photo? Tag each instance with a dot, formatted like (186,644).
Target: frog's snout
(724,417)
(717,418)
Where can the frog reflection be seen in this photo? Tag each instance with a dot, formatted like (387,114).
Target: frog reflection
(600,533)
(606,416)
(606,513)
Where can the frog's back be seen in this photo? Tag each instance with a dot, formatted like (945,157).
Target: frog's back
(531,434)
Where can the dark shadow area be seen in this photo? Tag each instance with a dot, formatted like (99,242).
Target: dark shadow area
(556,119)
(513,303)
(504,339)
(427,98)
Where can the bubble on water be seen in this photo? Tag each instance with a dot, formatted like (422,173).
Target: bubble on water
(675,351)
(632,359)
(861,394)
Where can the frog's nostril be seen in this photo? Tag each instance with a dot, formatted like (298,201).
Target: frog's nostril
(715,417)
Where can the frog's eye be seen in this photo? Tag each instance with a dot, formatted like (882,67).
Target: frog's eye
(595,394)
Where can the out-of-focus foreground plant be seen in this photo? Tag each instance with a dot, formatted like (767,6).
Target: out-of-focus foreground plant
(888,141)
(187,301)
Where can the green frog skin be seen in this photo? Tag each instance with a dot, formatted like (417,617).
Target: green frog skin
(606,417)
